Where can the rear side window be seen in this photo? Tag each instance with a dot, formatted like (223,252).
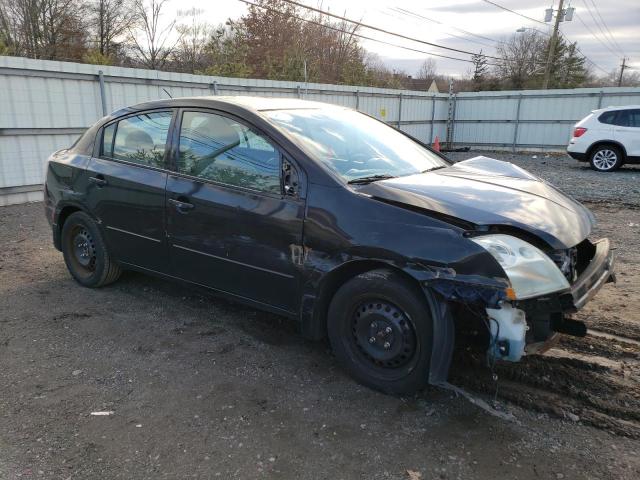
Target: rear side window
(218,148)
(139,139)
(628,118)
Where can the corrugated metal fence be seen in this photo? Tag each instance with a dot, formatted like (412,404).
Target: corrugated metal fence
(45,105)
(529,119)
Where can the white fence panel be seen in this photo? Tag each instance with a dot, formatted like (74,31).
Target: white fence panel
(45,105)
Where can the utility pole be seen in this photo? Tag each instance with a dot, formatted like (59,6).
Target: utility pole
(622,67)
(552,46)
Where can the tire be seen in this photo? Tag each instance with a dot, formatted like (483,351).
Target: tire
(86,253)
(380,329)
(606,158)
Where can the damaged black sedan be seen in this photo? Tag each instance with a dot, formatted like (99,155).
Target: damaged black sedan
(331,217)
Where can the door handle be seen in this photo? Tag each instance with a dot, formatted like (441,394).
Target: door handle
(98,180)
(182,207)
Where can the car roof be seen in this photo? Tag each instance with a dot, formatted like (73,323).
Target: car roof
(243,101)
(618,107)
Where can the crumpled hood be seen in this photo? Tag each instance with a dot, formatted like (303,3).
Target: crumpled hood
(485,191)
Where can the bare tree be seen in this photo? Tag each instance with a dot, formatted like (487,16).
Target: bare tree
(631,78)
(50,29)
(153,44)
(428,70)
(110,20)
(521,59)
(191,52)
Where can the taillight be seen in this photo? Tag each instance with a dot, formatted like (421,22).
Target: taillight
(579,131)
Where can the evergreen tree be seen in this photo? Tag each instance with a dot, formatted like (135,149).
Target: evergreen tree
(480,70)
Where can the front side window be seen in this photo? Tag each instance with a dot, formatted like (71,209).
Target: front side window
(354,145)
(217,148)
(139,139)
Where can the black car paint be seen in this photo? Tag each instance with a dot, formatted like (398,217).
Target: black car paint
(485,191)
(289,253)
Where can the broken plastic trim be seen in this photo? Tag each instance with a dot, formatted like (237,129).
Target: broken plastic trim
(489,297)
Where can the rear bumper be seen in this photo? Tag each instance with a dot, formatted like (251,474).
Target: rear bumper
(595,275)
(581,157)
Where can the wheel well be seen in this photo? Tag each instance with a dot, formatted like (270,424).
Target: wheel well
(333,281)
(64,214)
(607,142)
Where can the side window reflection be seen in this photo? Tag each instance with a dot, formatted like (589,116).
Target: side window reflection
(218,148)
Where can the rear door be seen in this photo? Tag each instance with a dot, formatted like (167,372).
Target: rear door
(127,190)
(230,224)
(627,131)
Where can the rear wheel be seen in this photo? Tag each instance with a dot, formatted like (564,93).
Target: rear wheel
(85,252)
(606,158)
(380,329)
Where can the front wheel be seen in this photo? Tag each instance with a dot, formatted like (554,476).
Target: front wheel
(606,158)
(380,329)
(85,252)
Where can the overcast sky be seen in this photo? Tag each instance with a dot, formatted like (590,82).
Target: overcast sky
(588,28)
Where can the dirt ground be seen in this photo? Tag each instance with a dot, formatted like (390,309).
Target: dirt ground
(202,388)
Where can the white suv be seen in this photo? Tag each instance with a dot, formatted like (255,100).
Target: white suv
(607,138)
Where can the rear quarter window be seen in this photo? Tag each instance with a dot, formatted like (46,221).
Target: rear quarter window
(608,118)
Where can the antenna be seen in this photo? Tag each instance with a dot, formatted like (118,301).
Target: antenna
(165,91)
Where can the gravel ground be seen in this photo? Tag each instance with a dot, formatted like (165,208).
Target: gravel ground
(573,177)
(198,387)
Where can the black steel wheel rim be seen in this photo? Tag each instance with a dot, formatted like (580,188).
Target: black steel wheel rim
(384,335)
(83,250)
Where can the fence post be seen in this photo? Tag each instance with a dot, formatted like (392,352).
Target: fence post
(299,93)
(214,87)
(515,127)
(450,115)
(103,94)
(357,100)
(600,99)
(451,119)
(399,109)
(433,116)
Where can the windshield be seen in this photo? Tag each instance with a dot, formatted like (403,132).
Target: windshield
(354,145)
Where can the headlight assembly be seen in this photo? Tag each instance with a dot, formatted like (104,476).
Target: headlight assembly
(530,270)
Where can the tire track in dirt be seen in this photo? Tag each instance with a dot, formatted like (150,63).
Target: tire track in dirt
(613,326)
(594,380)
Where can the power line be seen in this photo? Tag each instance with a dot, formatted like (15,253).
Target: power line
(596,37)
(364,37)
(450,34)
(513,11)
(590,61)
(543,23)
(613,40)
(371,27)
(609,44)
(409,12)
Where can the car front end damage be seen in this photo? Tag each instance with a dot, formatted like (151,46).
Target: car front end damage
(524,315)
